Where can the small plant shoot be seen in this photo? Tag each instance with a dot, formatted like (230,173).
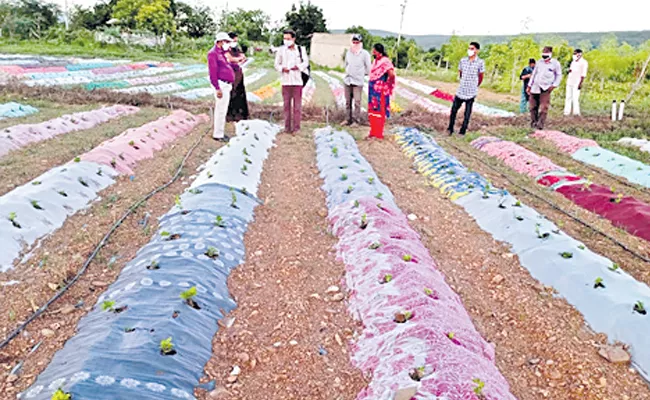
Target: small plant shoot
(12,218)
(407,257)
(615,268)
(167,347)
(219,222)
(566,255)
(364,222)
(349,190)
(640,308)
(77,159)
(344,177)
(402,317)
(61,395)
(108,305)
(598,283)
(212,252)
(478,389)
(245,152)
(374,246)
(387,278)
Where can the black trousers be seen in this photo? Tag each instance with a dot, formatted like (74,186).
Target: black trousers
(458,102)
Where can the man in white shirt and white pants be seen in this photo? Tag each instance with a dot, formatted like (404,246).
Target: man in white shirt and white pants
(577,74)
(291,61)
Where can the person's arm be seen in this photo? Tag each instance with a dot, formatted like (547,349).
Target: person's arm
(584,75)
(481,72)
(532,79)
(213,70)
(558,75)
(368,63)
(279,61)
(523,76)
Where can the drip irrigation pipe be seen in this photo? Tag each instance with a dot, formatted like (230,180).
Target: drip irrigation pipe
(548,202)
(102,243)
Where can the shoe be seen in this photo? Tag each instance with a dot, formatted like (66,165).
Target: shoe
(450,132)
(346,123)
(461,133)
(224,139)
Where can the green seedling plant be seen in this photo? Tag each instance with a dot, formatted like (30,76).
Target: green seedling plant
(402,317)
(36,183)
(177,201)
(541,235)
(248,160)
(167,347)
(196,191)
(598,283)
(36,205)
(349,189)
(63,193)
(12,219)
(131,143)
(566,255)
(582,247)
(209,174)
(188,296)
(640,308)
(245,152)
(219,222)
(77,159)
(108,305)
(407,257)
(618,198)
(374,246)
(233,200)
(517,204)
(153,265)
(387,278)
(371,180)
(243,191)
(212,252)
(379,196)
(364,221)
(344,177)
(244,168)
(615,268)
(113,163)
(451,335)
(417,373)
(61,395)
(356,204)
(100,172)
(478,389)
(335,151)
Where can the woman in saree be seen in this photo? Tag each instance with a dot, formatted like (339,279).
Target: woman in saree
(381,85)
(238,107)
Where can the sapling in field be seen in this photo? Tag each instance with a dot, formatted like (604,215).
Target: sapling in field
(615,268)
(598,283)
(371,180)
(245,152)
(335,151)
(195,191)
(478,389)
(417,374)
(248,160)
(387,278)
(77,159)
(233,199)
(153,265)
(640,308)
(36,205)
(349,189)
(540,235)
(403,316)
(566,255)
(212,252)
(344,177)
(61,395)
(407,257)
(188,296)
(356,204)
(177,201)
(36,183)
(219,222)
(364,222)
(113,163)
(374,246)
(108,305)
(12,218)
(379,196)
(167,347)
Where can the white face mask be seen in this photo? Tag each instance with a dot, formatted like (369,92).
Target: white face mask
(288,43)
(576,57)
(225,46)
(546,56)
(233,45)
(471,52)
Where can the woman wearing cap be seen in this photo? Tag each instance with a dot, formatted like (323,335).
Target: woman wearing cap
(222,77)
(382,83)
(238,107)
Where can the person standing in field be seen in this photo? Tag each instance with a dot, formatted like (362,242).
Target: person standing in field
(546,77)
(222,77)
(380,88)
(525,77)
(471,70)
(292,63)
(238,107)
(357,67)
(574,81)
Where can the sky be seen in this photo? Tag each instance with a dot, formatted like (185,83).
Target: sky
(463,17)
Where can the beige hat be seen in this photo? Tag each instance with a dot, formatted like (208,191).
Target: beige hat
(223,36)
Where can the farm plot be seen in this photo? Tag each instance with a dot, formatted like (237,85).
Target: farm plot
(150,294)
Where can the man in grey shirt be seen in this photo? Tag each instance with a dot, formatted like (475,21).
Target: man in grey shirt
(546,77)
(357,66)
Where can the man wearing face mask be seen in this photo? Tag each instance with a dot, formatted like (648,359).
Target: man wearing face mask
(291,62)
(357,67)
(471,70)
(577,74)
(222,77)
(546,77)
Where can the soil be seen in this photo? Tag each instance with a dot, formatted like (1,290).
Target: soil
(289,336)
(62,254)
(543,347)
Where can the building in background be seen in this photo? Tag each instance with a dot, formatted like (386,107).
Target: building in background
(329,50)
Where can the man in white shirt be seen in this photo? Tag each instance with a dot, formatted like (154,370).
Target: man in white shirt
(357,67)
(291,62)
(577,74)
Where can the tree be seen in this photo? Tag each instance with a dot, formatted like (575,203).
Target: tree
(126,12)
(306,20)
(196,22)
(252,25)
(92,18)
(151,15)
(28,18)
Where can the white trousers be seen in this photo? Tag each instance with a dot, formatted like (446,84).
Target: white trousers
(572,100)
(221,110)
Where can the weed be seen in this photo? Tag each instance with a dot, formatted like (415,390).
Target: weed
(519,218)
(165,234)
(36,205)
(343,167)
(131,143)
(617,199)
(243,191)
(417,374)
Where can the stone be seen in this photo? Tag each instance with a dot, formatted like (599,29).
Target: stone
(47,333)
(555,375)
(498,279)
(12,378)
(338,297)
(243,357)
(220,393)
(614,354)
(69,309)
(235,370)
(412,217)
(99,283)
(232,379)
(333,289)
(53,286)
(405,393)
(534,361)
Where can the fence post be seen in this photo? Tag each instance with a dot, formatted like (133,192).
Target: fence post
(614,110)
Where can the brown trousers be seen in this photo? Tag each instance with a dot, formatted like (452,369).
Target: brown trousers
(353,94)
(292,96)
(539,104)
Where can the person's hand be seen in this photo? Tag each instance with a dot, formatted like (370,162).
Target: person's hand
(285,70)
(552,88)
(295,68)
(528,90)
(580,86)
(219,94)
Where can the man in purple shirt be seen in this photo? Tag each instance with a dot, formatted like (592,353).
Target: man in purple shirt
(546,76)
(221,76)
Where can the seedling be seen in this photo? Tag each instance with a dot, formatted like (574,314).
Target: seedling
(451,335)
(233,201)
(349,190)
(517,204)
(614,268)
(364,222)
(598,283)
(387,278)
(108,305)
(83,182)
(131,143)
(417,374)
(374,246)
(177,201)
(362,171)
(63,193)
(196,191)
(153,265)
(356,160)
(407,257)
(167,347)
(640,308)
(212,252)
(617,199)
(566,255)
(451,172)
(129,330)
(188,296)
(61,395)
(36,183)
(165,234)
(371,180)
(402,317)
(335,151)
(36,205)
(170,236)
(248,160)
(113,163)
(343,167)
(209,174)
(541,235)
(519,218)
(77,159)
(486,192)
(344,177)
(379,196)
(245,152)
(218,221)
(582,247)
(478,390)
(243,169)
(356,204)
(100,172)
(12,218)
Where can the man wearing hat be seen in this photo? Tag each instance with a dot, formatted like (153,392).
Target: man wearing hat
(577,74)
(221,76)
(357,66)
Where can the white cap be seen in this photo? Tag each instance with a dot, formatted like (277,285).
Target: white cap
(223,36)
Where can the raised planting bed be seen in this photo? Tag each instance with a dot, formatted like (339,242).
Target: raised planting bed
(40,207)
(589,152)
(422,102)
(16,110)
(335,86)
(417,333)
(623,211)
(150,335)
(18,136)
(641,144)
(601,290)
(86,77)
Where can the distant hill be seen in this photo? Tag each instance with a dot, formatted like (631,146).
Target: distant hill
(633,38)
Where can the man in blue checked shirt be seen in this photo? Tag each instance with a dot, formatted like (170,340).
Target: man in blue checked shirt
(471,70)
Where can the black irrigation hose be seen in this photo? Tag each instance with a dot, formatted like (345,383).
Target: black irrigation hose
(550,203)
(101,244)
